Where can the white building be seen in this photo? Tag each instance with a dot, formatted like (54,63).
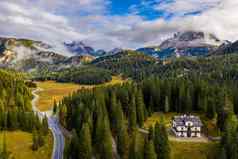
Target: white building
(187,126)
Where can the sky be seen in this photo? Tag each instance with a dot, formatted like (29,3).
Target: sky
(108,24)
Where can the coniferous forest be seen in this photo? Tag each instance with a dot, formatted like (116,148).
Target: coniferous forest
(16,112)
(102,117)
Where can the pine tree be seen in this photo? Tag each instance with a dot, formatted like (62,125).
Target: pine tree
(113,112)
(136,149)
(55,107)
(106,141)
(166,106)
(140,108)
(132,115)
(210,113)
(40,139)
(122,142)
(222,154)
(35,144)
(151,133)
(150,150)
(85,146)
(45,127)
(161,141)
(74,146)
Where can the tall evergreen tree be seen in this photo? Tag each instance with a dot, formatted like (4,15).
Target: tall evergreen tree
(161,141)
(150,150)
(85,143)
(136,149)
(140,108)
(132,115)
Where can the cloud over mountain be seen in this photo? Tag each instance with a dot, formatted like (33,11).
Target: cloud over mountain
(91,21)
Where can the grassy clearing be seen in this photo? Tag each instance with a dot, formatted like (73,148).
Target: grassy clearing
(188,150)
(209,127)
(19,144)
(56,91)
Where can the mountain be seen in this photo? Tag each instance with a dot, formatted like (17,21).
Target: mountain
(79,48)
(226,48)
(29,55)
(114,51)
(13,50)
(189,43)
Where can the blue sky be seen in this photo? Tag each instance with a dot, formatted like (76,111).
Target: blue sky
(142,8)
(106,24)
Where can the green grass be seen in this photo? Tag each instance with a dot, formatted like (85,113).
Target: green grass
(190,150)
(19,145)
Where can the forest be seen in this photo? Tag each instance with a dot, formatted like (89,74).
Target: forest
(16,112)
(103,116)
(138,66)
(87,75)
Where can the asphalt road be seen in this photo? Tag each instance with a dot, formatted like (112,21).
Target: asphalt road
(58,150)
(58,138)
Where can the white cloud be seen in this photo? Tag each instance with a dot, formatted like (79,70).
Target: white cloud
(56,21)
(181,7)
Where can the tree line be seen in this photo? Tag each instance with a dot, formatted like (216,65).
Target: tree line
(15,107)
(87,75)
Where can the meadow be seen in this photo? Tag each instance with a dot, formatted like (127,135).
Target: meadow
(19,145)
(55,91)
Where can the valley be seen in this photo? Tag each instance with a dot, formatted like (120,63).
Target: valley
(120,103)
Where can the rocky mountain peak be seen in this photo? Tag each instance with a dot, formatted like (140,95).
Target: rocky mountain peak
(79,48)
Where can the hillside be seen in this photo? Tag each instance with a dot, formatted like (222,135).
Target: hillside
(29,55)
(128,63)
(13,91)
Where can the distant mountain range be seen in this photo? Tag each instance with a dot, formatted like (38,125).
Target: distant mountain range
(29,54)
(79,48)
(188,43)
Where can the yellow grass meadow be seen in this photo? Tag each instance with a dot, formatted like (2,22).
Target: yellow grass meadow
(55,91)
(193,150)
(19,145)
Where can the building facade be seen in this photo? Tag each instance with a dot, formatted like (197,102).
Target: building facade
(187,126)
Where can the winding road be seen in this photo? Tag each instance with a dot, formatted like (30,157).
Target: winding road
(53,126)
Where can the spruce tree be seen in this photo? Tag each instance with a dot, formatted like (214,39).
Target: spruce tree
(45,127)
(106,141)
(222,154)
(122,142)
(35,143)
(55,107)
(161,141)
(166,106)
(85,143)
(132,115)
(74,145)
(136,149)
(150,150)
(140,108)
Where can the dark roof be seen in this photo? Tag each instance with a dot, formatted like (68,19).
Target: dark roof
(181,120)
